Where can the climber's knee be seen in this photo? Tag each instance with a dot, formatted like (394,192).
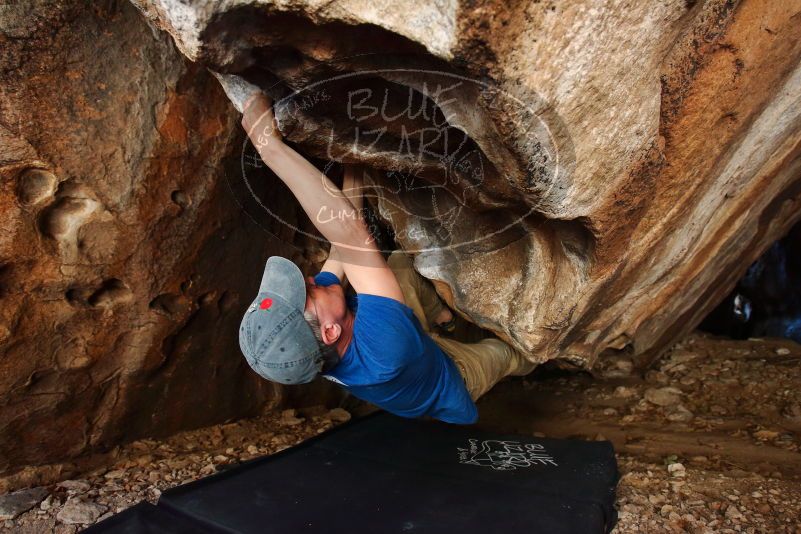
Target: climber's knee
(514,361)
(520,365)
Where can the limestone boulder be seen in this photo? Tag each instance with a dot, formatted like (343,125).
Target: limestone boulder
(580,177)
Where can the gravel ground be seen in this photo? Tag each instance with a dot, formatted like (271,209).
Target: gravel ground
(707,438)
(145,468)
(739,402)
(707,441)
(685,498)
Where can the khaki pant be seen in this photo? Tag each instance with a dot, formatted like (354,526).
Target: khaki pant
(482,364)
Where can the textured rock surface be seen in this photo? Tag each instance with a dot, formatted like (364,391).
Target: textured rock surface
(18,502)
(577,177)
(623,163)
(123,248)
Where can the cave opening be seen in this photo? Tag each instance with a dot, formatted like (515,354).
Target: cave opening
(766,301)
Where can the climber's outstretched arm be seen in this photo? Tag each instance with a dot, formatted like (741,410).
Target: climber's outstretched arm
(329,209)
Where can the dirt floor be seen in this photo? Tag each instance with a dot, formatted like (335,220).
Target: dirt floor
(708,440)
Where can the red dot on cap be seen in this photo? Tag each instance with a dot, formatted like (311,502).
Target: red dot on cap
(266,303)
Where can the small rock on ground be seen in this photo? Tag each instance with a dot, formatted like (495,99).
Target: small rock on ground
(80,512)
(14,504)
(666,396)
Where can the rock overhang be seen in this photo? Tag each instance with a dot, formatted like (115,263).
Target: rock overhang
(567,161)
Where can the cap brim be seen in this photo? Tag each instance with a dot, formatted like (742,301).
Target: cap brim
(282,277)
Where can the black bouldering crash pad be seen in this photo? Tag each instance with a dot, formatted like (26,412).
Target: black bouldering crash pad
(144,517)
(387,474)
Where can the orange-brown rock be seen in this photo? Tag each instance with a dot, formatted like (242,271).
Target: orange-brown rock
(123,245)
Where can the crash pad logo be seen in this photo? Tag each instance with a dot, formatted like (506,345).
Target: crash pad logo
(504,455)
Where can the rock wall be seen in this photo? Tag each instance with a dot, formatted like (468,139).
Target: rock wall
(580,177)
(123,246)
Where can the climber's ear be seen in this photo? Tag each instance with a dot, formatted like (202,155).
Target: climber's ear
(330,332)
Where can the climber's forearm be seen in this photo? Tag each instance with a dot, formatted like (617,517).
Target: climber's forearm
(352,189)
(330,211)
(334,216)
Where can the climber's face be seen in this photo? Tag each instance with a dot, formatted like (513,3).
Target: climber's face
(327,303)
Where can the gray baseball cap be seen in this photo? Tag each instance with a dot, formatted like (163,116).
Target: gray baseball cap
(276,340)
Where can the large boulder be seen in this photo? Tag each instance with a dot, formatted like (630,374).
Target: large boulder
(578,177)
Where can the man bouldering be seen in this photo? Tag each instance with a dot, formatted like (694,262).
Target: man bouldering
(380,345)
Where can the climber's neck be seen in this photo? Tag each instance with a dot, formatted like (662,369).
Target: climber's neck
(347,332)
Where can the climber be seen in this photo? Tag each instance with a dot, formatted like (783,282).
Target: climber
(380,346)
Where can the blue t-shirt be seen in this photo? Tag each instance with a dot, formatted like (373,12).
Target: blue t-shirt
(392,363)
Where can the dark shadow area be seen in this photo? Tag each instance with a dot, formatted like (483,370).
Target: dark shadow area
(766,302)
